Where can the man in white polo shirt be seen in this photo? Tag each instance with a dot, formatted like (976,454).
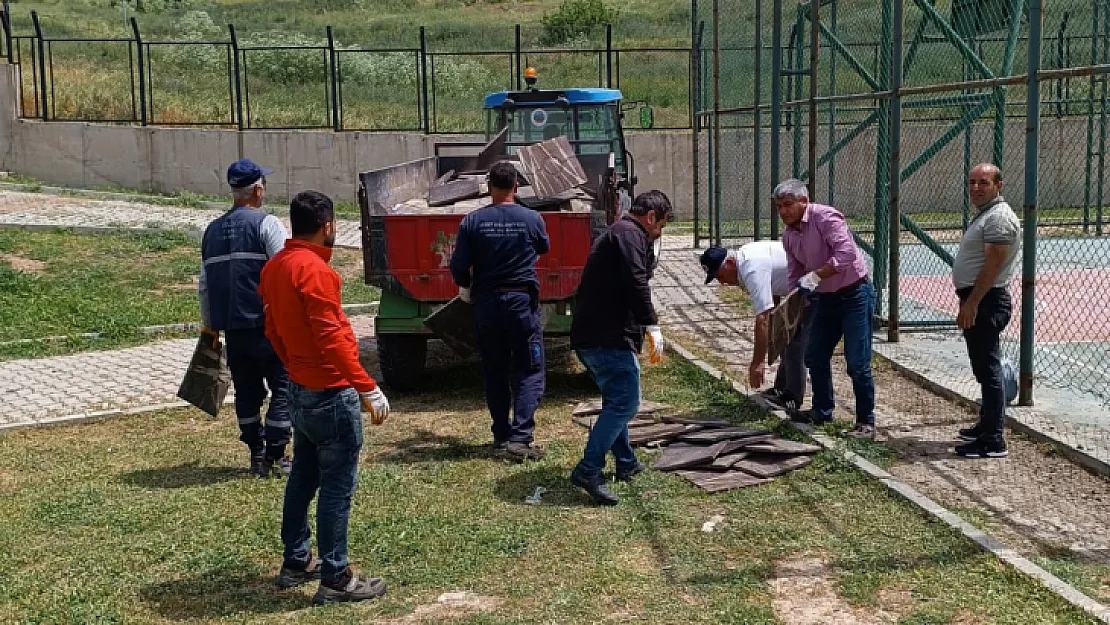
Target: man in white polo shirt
(760,269)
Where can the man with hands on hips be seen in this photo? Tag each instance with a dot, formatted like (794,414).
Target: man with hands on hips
(824,260)
(328,392)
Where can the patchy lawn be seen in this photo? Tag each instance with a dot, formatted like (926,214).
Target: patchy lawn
(151,519)
(64,284)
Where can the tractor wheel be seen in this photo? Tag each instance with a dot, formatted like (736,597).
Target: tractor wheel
(402,357)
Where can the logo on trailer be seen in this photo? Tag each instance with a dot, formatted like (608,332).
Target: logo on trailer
(444,247)
(539,118)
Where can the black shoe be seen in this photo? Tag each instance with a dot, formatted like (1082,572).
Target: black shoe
(276,468)
(626,476)
(350,588)
(809,416)
(994,447)
(970,434)
(291,578)
(600,493)
(498,444)
(524,451)
(258,468)
(780,399)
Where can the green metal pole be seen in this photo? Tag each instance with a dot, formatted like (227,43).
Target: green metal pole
(799,50)
(832,110)
(776,108)
(966,212)
(882,161)
(814,83)
(951,35)
(1029,248)
(757,125)
(695,119)
(1105,37)
(1000,92)
(1090,122)
(897,28)
(717,119)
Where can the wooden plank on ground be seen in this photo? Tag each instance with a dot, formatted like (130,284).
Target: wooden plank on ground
(454,191)
(726,461)
(782,446)
(593,406)
(738,444)
(709,423)
(662,431)
(682,455)
(716,482)
(552,166)
(771,466)
(714,435)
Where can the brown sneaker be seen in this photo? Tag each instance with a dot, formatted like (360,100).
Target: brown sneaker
(525,451)
(355,589)
(291,578)
(861,431)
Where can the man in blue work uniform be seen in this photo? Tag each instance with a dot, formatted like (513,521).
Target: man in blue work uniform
(494,265)
(235,247)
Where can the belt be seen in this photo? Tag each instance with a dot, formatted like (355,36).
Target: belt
(851,287)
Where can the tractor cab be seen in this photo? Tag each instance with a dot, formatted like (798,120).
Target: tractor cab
(590,119)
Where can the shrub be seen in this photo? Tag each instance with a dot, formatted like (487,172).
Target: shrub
(576,18)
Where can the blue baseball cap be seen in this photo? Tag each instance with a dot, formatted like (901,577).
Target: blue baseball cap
(245,172)
(711,261)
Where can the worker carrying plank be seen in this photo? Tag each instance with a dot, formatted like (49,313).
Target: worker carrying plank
(761,269)
(494,265)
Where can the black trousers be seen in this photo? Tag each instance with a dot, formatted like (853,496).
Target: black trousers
(985,352)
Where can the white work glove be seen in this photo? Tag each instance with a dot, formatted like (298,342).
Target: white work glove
(376,404)
(464,294)
(654,343)
(809,281)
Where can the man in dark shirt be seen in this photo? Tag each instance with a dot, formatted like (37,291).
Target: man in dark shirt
(613,312)
(494,264)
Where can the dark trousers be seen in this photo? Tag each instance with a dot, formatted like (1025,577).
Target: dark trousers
(254,367)
(328,430)
(791,377)
(617,374)
(846,315)
(510,342)
(985,351)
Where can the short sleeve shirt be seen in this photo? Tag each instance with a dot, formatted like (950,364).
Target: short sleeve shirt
(763,270)
(995,224)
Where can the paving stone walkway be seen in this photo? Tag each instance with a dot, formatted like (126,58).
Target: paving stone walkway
(51,390)
(1036,502)
(44,210)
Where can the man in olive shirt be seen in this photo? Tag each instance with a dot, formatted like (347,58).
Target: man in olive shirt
(982,272)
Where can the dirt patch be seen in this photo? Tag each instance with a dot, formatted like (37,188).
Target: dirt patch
(803,592)
(24,265)
(449,605)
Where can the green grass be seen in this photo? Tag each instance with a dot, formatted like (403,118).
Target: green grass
(63,284)
(158,523)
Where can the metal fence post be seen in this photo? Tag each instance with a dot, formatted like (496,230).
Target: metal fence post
(716,206)
(1032,188)
(696,28)
(757,124)
(142,71)
(609,56)
(516,55)
(776,108)
(333,80)
(424,78)
(7,24)
(814,81)
(894,268)
(42,63)
(235,72)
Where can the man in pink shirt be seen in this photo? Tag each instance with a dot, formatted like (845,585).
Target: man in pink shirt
(822,258)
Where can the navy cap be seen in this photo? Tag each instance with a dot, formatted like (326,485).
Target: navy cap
(245,172)
(711,261)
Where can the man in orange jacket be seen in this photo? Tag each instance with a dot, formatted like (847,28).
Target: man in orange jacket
(328,392)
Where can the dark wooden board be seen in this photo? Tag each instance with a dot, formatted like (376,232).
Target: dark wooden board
(454,323)
(716,482)
(593,406)
(726,461)
(662,431)
(738,444)
(785,319)
(714,435)
(782,446)
(771,466)
(444,179)
(552,166)
(454,191)
(681,456)
(709,423)
(493,151)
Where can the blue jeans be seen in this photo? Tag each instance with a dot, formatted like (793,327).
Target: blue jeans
(617,374)
(255,366)
(510,342)
(849,315)
(327,438)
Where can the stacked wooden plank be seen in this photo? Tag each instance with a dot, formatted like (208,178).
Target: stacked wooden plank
(711,453)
